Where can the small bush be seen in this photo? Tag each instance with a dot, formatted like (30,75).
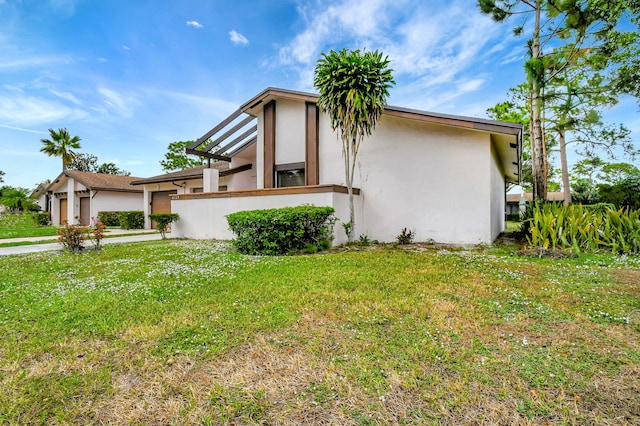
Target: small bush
(109,218)
(133,219)
(97,234)
(42,218)
(281,231)
(163,220)
(72,237)
(406,236)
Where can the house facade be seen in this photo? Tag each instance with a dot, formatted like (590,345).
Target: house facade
(158,190)
(442,176)
(77,197)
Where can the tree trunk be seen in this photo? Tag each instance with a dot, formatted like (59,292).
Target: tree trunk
(565,168)
(538,158)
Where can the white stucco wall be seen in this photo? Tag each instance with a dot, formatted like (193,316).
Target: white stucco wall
(114,201)
(192,212)
(498,201)
(429,178)
(290,132)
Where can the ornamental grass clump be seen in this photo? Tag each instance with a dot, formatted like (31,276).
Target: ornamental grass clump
(558,227)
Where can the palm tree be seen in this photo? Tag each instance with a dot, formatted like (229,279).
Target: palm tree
(61,145)
(353,88)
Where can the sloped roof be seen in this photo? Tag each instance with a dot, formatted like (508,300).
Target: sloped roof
(99,181)
(191,173)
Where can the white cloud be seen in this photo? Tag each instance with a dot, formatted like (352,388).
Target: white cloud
(125,47)
(101,59)
(194,24)
(238,38)
(29,110)
(117,102)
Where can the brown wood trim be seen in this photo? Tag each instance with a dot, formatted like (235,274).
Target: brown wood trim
(269,143)
(216,129)
(312,169)
(228,133)
(288,166)
(315,189)
(235,170)
(208,155)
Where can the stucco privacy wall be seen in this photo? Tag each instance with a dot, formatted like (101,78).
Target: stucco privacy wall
(206,217)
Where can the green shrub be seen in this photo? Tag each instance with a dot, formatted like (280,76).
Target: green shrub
(163,220)
(281,231)
(109,218)
(576,227)
(133,219)
(42,218)
(406,236)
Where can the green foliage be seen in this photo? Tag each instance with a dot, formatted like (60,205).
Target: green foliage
(406,236)
(176,157)
(42,218)
(89,163)
(574,227)
(354,87)
(17,199)
(61,145)
(133,219)
(584,192)
(625,193)
(163,220)
(1,176)
(281,231)
(109,218)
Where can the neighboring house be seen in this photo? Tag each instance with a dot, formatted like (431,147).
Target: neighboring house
(158,189)
(77,197)
(41,197)
(517,202)
(442,176)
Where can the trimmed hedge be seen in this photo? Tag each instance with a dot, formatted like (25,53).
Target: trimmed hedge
(109,218)
(163,220)
(281,231)
(133,219)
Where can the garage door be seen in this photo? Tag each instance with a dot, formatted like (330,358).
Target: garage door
(160,201)
(63,211)
(85,211)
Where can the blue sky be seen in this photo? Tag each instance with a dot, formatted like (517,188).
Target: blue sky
(129,77)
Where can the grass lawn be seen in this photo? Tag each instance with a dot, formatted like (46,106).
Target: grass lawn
(175,332)
(22,225)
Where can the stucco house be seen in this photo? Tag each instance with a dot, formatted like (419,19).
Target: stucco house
(158,189)
(442,176)
(40,196)
(77,197)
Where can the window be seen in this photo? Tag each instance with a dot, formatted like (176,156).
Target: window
(294,177)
